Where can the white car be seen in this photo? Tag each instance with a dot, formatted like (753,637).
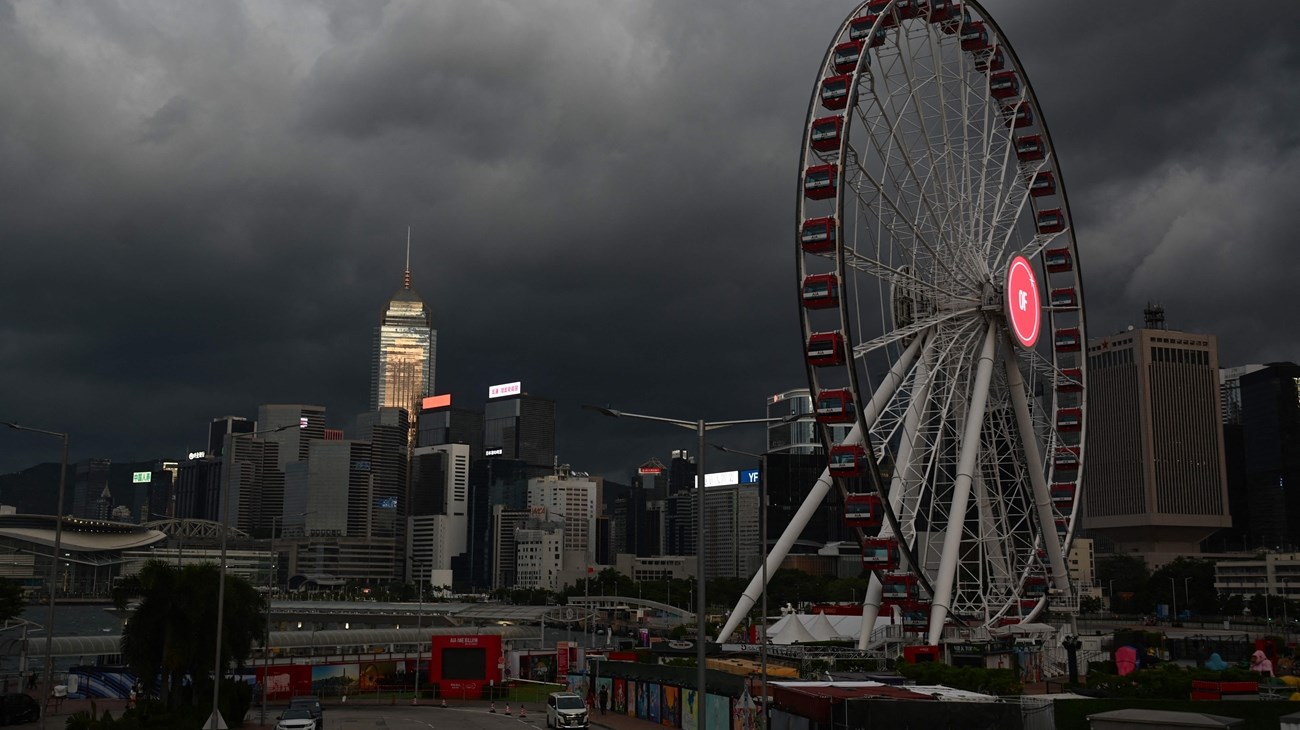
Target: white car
(296,718)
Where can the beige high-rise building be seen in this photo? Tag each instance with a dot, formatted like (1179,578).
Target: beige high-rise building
(405,352)
(1155,481)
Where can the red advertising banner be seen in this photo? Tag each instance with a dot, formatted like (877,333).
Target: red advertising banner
(561,658)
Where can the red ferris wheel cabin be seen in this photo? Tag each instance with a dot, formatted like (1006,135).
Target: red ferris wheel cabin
(819,182)
(1044,184)
(863,510)
(835,91)
(817,235)
(821,291)
(847,460)
(879,553)
(846,56)
(1029,148)
(836,406)
(825,349)
(825,134)
(974,37)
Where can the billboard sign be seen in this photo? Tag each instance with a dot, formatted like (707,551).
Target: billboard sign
(435,401)
(141,477)
(500,391)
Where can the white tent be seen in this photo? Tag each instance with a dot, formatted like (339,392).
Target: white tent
(791,630)
(821,627)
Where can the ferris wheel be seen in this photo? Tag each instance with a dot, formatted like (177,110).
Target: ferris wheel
(942,315)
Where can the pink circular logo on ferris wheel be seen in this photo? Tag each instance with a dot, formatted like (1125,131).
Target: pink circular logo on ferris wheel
(1023,309)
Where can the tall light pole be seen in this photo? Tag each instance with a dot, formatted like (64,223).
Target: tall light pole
(700,427)
(762,537)
(1173,589)
(54,561)
(213,722)
(270,589)
(419,624)
(1187,596)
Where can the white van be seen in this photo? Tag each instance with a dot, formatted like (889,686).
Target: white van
(566,709)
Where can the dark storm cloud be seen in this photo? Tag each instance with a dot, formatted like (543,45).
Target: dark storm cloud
(203,207)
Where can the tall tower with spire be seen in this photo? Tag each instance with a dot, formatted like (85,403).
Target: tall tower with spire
(405,350)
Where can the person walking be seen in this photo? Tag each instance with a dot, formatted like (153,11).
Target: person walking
(603,696)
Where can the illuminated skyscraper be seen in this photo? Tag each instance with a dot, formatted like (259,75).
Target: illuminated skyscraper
(405,350)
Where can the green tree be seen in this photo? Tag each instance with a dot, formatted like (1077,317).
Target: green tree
(1231,604)
(170,632)
(1187,583)
(12,600)
(1128,577)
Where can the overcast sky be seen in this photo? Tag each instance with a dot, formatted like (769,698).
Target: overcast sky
(203,205)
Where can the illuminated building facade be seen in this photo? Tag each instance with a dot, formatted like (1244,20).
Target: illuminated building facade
(405,352)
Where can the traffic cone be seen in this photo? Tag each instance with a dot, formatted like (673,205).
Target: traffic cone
(522,712)
(492,707)
(507,708)
(444,703)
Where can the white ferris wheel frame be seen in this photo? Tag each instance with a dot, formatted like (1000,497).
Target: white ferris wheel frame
(931,201)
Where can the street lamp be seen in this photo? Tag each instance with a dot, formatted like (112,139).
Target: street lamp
(221,584)
(419,624)
(762,536)
(54,560)
(1187,596)
(270,589)
(700,427)
(1173,590)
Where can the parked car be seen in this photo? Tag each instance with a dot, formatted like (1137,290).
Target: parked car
(18,709)
(297,718)
(312,704)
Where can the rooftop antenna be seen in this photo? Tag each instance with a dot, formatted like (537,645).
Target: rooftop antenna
(406,277)
(1154,316)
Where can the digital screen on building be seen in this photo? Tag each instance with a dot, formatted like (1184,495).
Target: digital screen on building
(464,663)
(141,477)
(498,391)
(720,478)
(435,401)
(649,470)
(749,476)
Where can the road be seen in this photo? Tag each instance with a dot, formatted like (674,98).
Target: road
(406,717)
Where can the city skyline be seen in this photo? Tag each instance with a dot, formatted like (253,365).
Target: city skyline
(205,211)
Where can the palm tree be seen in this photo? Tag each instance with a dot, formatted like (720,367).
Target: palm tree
(170,631)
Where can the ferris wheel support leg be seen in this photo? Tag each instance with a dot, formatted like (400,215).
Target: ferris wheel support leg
(888,386)
(911,444)
(870,609)
(944,583)
(1042,495)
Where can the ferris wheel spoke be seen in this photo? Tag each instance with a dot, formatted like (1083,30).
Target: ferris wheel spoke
(917,235)
(883,271)
(887,120)
(911,330)
(924,206)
